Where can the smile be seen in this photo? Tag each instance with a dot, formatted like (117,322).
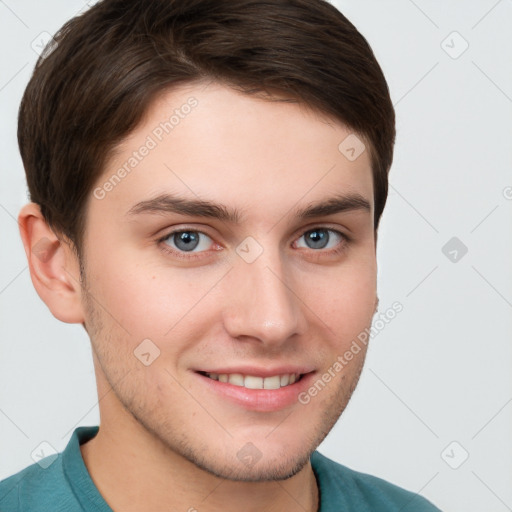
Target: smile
(254,382)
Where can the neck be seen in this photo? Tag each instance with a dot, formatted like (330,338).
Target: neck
(134,471)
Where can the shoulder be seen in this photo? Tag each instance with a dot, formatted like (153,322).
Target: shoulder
(56,483)
(342,488)
(37,487)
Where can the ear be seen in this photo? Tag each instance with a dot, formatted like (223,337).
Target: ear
(54,267)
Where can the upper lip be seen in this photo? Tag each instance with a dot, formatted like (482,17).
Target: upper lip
(259,371)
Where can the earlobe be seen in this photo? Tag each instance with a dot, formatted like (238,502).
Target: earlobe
(54,267)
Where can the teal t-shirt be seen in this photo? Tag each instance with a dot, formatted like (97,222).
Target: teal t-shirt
(65,486)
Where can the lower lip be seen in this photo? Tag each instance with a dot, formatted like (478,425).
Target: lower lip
(261,400)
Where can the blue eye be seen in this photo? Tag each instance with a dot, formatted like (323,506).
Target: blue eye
(190,244)
(319,238)
(187,240)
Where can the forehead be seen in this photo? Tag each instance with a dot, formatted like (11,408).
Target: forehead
(210,141)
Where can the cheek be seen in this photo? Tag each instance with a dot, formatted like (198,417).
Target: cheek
(149,301)
(345,300)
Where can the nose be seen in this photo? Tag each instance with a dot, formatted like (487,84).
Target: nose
(262,301)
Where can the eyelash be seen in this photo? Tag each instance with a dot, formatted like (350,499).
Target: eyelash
(340,248)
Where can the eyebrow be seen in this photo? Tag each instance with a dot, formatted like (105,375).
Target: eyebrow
(166,203)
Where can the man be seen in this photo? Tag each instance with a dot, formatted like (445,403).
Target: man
(207,179)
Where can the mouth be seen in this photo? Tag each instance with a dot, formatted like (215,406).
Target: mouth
(270,391)
(255,382)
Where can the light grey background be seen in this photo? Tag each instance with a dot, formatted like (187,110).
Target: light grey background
(440,371)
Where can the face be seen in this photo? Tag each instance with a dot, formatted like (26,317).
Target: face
(193,308)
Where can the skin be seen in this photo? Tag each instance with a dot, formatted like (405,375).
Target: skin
(166,441)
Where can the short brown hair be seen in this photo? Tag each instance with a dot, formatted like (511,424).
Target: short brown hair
(90,89)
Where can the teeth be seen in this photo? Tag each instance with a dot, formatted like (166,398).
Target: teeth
(252,382)
(272,382)
(237,379)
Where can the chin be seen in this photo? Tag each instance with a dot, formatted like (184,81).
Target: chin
(263,469)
